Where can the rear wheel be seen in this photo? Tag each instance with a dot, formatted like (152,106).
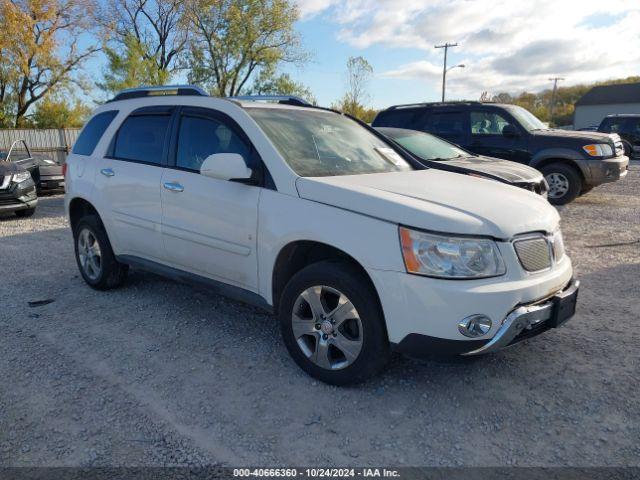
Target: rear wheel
(565,183)
(332,324)
(94,255)
(28,212)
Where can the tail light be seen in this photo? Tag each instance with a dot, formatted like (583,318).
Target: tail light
(64,169)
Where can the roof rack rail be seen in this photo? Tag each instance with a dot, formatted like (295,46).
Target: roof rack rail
(152,91)
(422,104)
(284,99)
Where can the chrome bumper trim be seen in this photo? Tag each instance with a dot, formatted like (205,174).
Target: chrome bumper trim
(519,319)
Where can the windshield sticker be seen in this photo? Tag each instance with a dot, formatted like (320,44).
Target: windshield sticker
(390,155)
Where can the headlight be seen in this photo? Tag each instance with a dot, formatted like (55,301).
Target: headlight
(450,257)
(598,150)
(21,177)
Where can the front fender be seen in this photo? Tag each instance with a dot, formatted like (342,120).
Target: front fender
(285,219)
(566,155)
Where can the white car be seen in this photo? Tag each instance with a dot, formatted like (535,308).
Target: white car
(316,217)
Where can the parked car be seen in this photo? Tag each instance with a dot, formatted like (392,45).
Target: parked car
(17,188)
(437,153)
(316,217)
(628,127)
(46,173)
(572,162)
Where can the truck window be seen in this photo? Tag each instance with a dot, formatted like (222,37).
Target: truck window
(487,123)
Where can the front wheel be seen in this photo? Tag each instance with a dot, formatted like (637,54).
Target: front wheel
(332,324)
(565,183)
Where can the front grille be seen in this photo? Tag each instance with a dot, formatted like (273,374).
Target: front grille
(534,253)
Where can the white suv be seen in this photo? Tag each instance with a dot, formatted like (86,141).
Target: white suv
(316,217)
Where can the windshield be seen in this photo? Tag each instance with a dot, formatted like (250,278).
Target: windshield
(320,143)
(423,145)
(527,119)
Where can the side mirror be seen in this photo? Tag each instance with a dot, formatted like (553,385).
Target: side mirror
(510,131)
(225,166)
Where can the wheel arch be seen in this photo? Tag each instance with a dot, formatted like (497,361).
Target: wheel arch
(80,207)
(298,254)
(571,162)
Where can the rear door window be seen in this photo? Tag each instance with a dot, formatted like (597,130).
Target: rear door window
(447,124)
(142,137)
(92,133)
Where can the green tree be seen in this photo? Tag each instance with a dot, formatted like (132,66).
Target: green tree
(128,67)
(56,112)
(269,83)
(234,40)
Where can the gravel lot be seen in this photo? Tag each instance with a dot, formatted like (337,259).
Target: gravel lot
(160,373)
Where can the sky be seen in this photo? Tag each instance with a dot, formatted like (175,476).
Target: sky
(505,45)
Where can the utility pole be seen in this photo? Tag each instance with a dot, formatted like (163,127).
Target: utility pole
(444,68)
(555,81)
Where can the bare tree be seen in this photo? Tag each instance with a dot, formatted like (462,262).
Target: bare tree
(359,73)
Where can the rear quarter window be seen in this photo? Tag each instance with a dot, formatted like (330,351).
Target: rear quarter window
(402,118)
(92,133)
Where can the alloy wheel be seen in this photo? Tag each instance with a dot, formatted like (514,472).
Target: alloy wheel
(558,185)
(89,254)
(327,327)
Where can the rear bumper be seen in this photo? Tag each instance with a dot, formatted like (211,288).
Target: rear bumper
(525,321)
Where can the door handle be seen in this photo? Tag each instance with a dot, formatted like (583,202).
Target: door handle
(173,186)
(107,172)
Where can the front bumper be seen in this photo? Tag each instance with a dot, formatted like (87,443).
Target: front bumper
(18,197)
(525,321)
(607,170)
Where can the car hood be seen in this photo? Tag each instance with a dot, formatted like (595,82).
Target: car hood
(436,200)
(587,137)
(503,169)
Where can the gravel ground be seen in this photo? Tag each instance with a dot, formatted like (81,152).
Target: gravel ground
(159,373)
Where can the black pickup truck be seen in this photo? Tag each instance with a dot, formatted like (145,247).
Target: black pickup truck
(572,162)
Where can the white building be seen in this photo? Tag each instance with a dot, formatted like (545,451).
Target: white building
(605,100)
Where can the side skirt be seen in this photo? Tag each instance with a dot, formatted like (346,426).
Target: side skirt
(220,288)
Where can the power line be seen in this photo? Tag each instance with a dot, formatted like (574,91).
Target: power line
(555,81)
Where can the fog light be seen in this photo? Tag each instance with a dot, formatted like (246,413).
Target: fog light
(475,326)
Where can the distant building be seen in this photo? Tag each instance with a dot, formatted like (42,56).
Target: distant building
(605,100)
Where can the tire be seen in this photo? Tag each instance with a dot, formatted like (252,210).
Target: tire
(98,267)
(361,332)
(563,179)
(586,189)
(25,213)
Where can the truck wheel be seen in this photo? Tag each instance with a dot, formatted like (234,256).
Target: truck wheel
(565,183)
(25,213)
(94,255)
(332,323)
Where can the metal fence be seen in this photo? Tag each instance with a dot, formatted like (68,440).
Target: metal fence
(53,142)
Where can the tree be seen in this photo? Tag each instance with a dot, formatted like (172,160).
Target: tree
(359,73)
(268,83)
(234,40)
(144,41)
(56,112)
(41,49)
